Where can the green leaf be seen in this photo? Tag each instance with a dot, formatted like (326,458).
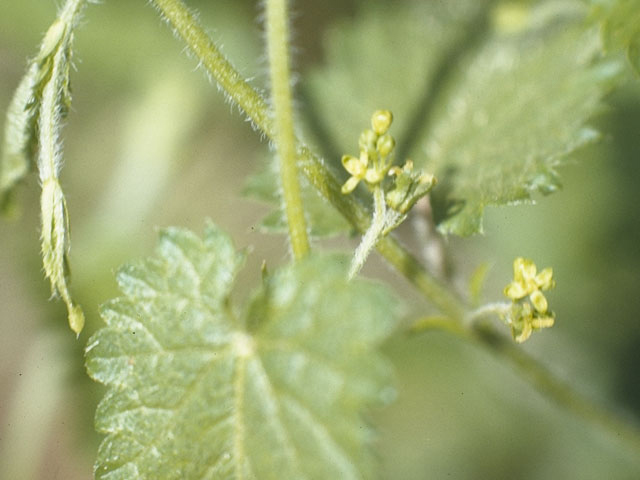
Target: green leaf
(19,139)
(513,112)
(323,220)
(388,57)
(50,66)
(491,97)
(198,391)
(35,119)
(20,136)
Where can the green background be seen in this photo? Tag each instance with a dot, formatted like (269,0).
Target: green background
(150,142)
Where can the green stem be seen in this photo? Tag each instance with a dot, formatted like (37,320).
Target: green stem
(549,386)
(439,323)
(497,308)
(373,233)
(439,295)
(186,26)
(55,62)
(277,42)
(327,184)
(536,374)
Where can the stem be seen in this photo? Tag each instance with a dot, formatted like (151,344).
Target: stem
(433,249)
(186,26)
(536,374)
(277,42)
(71,10)
(440,323)
(439,295)
(372,234)
(321,177)
(549,386)
(498,308)
(327,184)
(55,53)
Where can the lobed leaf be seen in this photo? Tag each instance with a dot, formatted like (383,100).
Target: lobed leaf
(196,391)
(514,111)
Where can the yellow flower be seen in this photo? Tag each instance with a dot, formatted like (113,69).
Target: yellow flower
(524,320)
(357,167)
(526,281)
(526,317)
(374,161)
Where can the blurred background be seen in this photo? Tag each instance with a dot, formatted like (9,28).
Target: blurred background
(150,143)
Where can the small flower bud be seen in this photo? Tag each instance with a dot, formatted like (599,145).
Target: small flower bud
(356,166)
(381,121)
(408,166)
(539,301)
(427,179)
(385,145)
(367,141)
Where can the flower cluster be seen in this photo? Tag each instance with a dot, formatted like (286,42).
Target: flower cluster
(374,163)
(409,187)
(530,309)
(392,199)
(374,160)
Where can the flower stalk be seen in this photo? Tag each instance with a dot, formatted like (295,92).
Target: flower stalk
(372,166)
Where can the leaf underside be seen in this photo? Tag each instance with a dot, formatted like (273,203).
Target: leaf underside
(504,107)
(196,392)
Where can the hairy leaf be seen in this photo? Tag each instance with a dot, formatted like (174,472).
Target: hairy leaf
(19,137)
(35,118)
(513,112)
(198,391)
(22,116)
(389,57)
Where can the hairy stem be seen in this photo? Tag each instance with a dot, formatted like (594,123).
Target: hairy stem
(277,43)
(327,184)
(496,308)
(324,180)
(372,234)
(186,26)
(55,63)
